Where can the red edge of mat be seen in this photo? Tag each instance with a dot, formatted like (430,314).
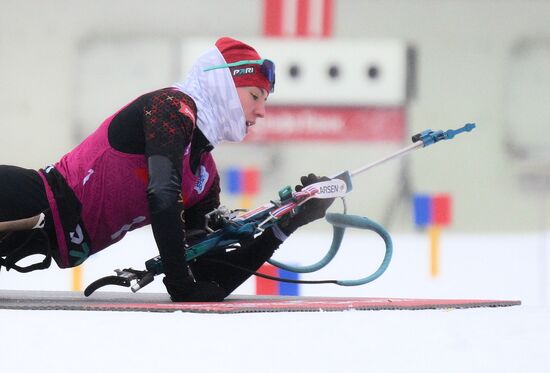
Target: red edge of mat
(326,305)
(161,303)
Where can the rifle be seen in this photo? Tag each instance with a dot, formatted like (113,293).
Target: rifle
(236,227)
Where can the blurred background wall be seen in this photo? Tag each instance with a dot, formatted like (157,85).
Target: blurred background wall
(482,61)
(67,65)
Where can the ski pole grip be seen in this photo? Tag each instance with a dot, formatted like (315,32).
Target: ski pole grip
(346,177)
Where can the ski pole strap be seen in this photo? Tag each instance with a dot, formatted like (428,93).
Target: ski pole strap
(340,222)
(352,221)
(338,235)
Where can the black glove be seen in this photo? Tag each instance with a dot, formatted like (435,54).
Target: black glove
(310,211)
(190,290)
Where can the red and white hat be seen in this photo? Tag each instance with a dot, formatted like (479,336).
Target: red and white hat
(234,51)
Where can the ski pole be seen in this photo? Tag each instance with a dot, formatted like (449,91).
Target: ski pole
(422,139)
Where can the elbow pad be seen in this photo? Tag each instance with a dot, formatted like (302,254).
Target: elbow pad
(164,186)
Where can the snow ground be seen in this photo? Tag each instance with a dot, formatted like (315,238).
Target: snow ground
(507,267)
(512,339)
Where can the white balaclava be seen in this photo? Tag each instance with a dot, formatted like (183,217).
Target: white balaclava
(219,111)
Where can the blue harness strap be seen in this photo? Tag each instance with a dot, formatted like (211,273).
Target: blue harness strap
(339,223)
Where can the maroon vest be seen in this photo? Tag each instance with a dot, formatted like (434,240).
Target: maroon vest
(112,188)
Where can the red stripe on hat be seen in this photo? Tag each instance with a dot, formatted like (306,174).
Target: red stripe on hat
(302,19)
(273,17)
(327,17)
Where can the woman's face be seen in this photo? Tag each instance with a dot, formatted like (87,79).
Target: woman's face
(253,102)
